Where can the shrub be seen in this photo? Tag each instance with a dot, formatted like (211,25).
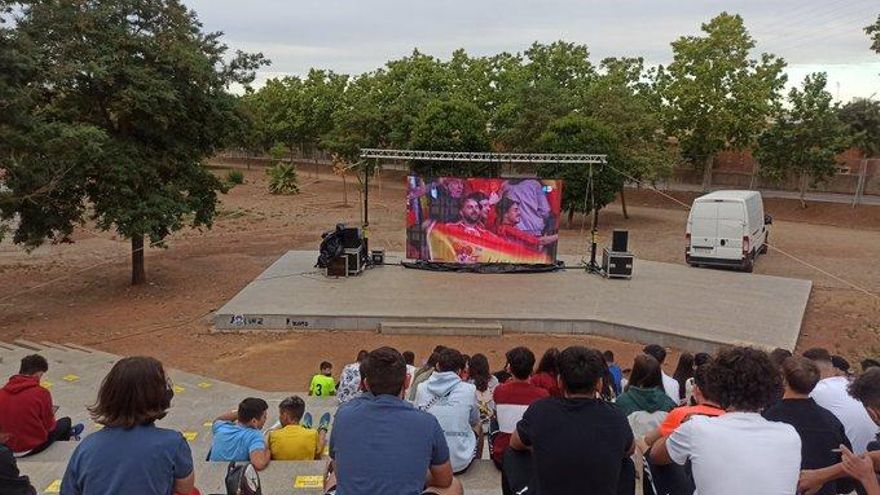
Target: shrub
(235,177)
(283,179)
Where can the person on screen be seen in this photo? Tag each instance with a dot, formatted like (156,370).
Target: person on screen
(470,215)
(510,214)
(534,208)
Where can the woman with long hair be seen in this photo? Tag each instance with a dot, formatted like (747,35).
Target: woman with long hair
(683,372)
(644,392)
(482,378)
(545,375)
(130,454)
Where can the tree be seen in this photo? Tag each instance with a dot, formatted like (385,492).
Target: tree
(863,118)
(874,32)
(543,84)
(623,98)
(717,97)
(578,134)
(805,140)
(125,99)
(451,126)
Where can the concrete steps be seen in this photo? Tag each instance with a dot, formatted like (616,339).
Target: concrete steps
(75,374)
(451,327)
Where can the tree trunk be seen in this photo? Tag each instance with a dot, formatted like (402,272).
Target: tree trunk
(623,203)
(570,217)
(803,196)
(707,172)
(344,189)
(138,274)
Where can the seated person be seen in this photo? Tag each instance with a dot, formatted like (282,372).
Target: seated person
(707,405)
(454,403)
(512,398)
(862,467)
(295,441)
(11,481)
(509,217)
(574,444)
(821,432)
(26,411)
(131,455)
(739,451)
(644,391)
(322,384)
(381,444)
(237,435)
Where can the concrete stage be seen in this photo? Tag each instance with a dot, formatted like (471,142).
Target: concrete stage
(672,305)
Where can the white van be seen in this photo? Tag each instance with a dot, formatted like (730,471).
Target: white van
(727,228)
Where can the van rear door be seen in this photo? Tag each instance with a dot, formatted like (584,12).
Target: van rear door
(731,229)
(704,229)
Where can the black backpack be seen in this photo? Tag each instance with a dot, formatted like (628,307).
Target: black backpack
(242,479)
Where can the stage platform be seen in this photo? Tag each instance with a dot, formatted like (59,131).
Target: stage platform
(672,305)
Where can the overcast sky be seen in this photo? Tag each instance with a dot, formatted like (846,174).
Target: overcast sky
(354,36)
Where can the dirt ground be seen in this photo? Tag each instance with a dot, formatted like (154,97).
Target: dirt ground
(80,292)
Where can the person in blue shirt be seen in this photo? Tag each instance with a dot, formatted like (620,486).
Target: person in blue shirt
(238,435)
(616,373)
(130,454)
(381,444)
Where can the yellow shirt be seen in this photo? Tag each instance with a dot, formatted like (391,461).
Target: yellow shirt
(293,443)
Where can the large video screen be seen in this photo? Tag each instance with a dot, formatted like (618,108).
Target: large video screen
(479,220)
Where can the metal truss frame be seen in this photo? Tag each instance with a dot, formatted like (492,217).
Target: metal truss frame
(470,156)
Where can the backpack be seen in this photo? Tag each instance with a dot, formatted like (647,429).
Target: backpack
(242,479)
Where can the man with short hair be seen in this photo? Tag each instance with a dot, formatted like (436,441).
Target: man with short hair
(578,443)
(670,385)
(296,440)
(350,380)
(831,393)
(454,403)
(381,444)
(866,390)
(238,436)
(322,384)
(820,431)
(512,398)
(740,451)
(26,411)
(615,371)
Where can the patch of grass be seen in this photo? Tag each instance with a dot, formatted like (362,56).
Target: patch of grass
(235,177)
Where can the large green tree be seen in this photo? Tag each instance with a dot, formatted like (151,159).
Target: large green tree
(452,125)
(863,118)
(578,134)
(123,100)
(806,139)
(716,95)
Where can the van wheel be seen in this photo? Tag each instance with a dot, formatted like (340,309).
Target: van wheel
(748,265)
(764,247)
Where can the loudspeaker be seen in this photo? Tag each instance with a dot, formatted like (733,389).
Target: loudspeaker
(619,241)
(355,260)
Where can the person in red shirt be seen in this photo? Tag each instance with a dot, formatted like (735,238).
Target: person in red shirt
(508,216)
(512,398)
(26,411)
(546,374)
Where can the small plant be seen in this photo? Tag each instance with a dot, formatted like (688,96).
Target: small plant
(283,179)
(234,177)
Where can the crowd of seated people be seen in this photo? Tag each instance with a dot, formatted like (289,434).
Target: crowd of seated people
(739,421)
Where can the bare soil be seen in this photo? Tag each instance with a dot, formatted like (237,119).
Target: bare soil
(80,292)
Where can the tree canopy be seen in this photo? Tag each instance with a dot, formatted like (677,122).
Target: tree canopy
(716,96)
(117,103)
(807,138)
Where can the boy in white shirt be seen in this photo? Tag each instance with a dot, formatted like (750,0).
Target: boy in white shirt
(739,452)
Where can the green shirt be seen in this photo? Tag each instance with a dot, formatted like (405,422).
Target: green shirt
(322,386)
